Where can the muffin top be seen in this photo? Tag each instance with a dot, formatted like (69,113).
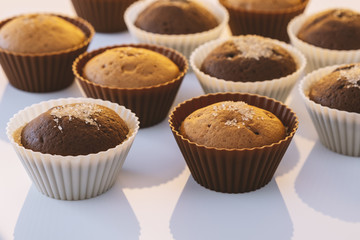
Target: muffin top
(232,125)
(130,67)
(74,129)
(248,59)
(39,33)
(335,29)
(267,5)
(176,17)
(340,89)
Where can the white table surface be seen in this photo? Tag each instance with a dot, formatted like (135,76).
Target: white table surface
(314,194)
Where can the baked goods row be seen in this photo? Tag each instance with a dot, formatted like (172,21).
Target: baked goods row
(232,142)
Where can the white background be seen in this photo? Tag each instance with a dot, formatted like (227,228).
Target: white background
(314,194)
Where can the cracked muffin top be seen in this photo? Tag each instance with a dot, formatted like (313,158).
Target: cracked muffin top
(232,125)
(249,59)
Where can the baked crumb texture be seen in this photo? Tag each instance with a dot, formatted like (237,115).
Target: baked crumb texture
(232,125)
(74,129)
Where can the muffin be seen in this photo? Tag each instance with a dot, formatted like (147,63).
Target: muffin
(184,37)
(327,38)
(248,63)
(149,98)
(37,50)
(332,95)
(248,59)
(224,167)
(105,15)
(74,129)
(232,125)
(176,17)
(70,176)
(130,67)
(264,18)
(340,89)
(35,33)
(335,29)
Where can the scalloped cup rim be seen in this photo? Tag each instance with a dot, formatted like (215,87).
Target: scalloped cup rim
(71,157)
(294,36)
(286,10)
(289,135)
(60,52)
(221,24)
(139,45)
(300,60)
(326,70)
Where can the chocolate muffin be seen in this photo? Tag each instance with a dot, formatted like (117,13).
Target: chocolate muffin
(232,125)
(130,67)
(335,29)
(176,17)
(39,33)
(248,59)
(340,89)
(74,129)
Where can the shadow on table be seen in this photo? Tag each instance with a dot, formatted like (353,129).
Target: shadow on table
(290,159)
(154,158)
(306,126)
(14,100)
(108,216)
(204,214)
(329,183)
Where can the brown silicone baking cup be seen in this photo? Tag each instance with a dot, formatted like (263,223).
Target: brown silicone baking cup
(105,15)
(233,170)
(44,72)
(272,23)
(150,104)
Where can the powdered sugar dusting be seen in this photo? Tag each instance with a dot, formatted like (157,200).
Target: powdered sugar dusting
(351,75)
(232,122)
(254,47)
(83,111)
(245,111)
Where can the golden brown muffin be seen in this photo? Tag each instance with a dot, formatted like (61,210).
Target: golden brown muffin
(39,33)
(176,17)
(74,129)
(340,89)
(335,29)
(232,125)
(267,5)
(248,59)
(130,67)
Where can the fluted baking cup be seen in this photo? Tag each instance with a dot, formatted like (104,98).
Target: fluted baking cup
(151,104)
(318,57)
(276,88)
(337,130)
(72,177)
(267,23)
(105,15)
(184,43)
(44,72)
(233,170)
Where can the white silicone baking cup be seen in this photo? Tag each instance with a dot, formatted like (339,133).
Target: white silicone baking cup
(72,177)
(184,43)
(278,88)
(337,130)
(318,57)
